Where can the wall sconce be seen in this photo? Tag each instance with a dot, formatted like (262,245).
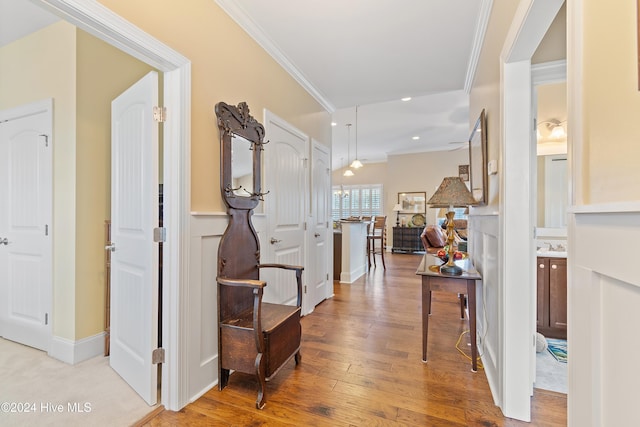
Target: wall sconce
(552,130)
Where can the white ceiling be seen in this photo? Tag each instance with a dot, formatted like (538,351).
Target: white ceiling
(358,52)
(19,18)
(372,54)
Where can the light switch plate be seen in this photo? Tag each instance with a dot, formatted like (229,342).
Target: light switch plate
(492,167)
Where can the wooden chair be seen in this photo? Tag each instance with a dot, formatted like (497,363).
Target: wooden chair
(254,337)
(377,232)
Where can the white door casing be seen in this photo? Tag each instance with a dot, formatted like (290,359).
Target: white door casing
(26,205)
(103,23)
(134,214)
(517,306)
(285,180)
(319,232)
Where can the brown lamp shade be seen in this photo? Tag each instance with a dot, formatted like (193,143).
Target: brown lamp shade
(452,192)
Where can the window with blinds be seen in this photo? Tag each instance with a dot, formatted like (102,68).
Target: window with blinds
(356,200)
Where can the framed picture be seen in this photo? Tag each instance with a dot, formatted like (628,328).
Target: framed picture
(478,160)
(463,171)
(413,203)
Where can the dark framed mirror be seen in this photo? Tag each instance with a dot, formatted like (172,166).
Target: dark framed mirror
(478,160)
(241,145)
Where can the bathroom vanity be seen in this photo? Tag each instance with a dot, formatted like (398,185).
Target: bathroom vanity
(552,294)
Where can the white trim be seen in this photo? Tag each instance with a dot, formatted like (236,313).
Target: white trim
(72,352)
(549,72)
(606,208)
(478,40)
(98,20)
(516,245)
(242,18)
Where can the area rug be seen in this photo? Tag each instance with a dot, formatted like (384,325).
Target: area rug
(558,349)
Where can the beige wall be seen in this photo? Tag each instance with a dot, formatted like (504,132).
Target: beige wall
(43,65)
(103,73)
(82,76)
(553,46)
(421,172)
(485,92)
(611,104)
(417,172)
(227,65)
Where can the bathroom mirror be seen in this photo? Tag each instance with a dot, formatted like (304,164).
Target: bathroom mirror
(241,145)
(552,177)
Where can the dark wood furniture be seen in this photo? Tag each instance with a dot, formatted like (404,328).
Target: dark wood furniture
(433,280)
(377,232)
(407,239)
(254,337)
(552,297)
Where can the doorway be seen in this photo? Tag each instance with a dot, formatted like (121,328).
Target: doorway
(550,199)
(109,27)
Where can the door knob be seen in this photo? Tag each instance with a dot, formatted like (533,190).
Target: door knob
(317,234)
(111,248)
(274,241)
(4,241)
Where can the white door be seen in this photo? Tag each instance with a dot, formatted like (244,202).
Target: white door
(319,231)
(25,224)
(134,214)
(285,171)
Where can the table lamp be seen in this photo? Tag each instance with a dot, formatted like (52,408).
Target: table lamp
(452,193)
(397,208)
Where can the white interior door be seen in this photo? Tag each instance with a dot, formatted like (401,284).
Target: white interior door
(25,224)
(134,214)
(319,238)
(285,170)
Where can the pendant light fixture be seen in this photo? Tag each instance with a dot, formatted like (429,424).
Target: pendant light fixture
(348,172)
(356,164)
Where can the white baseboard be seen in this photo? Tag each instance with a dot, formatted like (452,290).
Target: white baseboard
(73,352)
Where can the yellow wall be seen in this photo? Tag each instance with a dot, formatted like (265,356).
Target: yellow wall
(554,44)
(39,66)
(485,92)
(82,75)
(227,65)
(611,104)
(103,73)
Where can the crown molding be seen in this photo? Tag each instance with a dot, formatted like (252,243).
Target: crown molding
(478,40)
(549,72)
(240,16)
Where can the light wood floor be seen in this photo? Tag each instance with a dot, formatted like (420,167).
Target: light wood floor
(361,366)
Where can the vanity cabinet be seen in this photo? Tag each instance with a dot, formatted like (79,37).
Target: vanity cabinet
(552,297)
(407,239)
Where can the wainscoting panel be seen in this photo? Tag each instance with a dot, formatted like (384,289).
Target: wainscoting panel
(206,231)
(603,297)
(483,247)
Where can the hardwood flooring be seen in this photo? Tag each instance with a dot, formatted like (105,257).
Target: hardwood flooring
(361,366)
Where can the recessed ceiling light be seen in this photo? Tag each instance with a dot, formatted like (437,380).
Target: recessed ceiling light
(415,138)
(334,124)
(405,99)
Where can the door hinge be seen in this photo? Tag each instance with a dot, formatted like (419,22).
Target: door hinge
(157,356)
(305,226)
(46,318)
(160,114)
(159,234)
(46,139)
(305,289)
(46,229)
(327,276)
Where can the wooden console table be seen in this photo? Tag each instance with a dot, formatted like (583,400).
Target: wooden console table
(433,280)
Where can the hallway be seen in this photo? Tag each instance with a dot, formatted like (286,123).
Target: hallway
(361,366)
